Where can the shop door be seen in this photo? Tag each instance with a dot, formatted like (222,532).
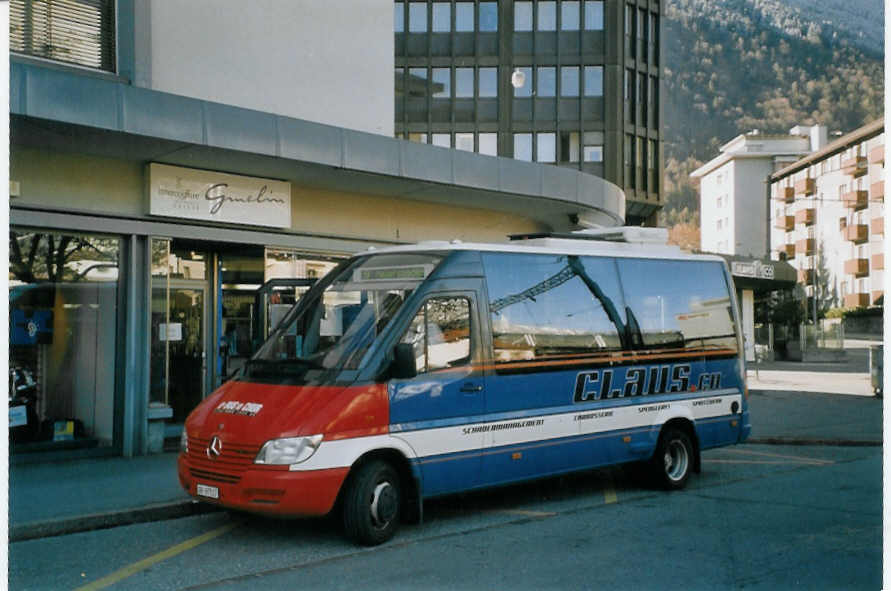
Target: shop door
(187,338)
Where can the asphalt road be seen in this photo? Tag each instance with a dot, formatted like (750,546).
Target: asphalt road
(758,517)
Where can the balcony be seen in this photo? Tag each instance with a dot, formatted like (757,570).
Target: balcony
(877,155)
(805,246)
(856,200)
(854,166)
(877,226)
(805,216)
(805,187)
(786,194)
(857,267)
(878,262)
(856,300)
(785,222)
(877,191)
(788,250)
(805,276)
(858,233)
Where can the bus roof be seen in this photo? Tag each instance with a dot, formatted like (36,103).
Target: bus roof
(561,246)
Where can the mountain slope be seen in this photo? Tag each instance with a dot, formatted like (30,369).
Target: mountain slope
(736,65)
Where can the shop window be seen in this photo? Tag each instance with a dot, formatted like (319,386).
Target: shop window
(70,31)
(63,311)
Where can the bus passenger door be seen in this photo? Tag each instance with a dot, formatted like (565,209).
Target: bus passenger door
(435,411)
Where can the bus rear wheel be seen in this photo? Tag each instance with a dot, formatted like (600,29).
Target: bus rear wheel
(673,460)
(372,503)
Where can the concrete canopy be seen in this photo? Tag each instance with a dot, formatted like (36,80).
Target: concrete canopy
(98,115)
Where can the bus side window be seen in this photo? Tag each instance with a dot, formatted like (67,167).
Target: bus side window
(440,334)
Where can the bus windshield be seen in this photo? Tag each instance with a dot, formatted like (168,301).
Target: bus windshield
(336,322)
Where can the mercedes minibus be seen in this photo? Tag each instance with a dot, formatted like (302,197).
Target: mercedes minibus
(417,371)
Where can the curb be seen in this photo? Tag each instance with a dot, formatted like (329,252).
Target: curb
(84,523)
(805,441)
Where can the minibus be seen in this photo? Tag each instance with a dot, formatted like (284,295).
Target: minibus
(411,372)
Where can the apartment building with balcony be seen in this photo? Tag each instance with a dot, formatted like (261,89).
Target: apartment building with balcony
(827,218)
(570,83)
(733,191)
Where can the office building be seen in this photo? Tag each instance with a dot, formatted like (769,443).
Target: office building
(570,83)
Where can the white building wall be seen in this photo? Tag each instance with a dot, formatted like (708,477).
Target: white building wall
(308,59)
(750,206)
(716,210)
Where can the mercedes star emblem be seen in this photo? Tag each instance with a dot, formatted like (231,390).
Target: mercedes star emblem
(215,448)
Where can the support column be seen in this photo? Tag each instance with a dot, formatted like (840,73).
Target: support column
(748,320)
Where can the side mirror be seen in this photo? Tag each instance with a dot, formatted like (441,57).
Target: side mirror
(403,366)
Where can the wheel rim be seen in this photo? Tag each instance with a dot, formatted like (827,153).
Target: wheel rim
(384,503)
(676,460)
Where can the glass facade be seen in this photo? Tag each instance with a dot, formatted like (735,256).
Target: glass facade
(539,77)
(63,323)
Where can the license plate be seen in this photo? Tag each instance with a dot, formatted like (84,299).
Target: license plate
(210,492)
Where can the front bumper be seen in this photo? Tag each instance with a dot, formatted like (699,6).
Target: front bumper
(273,492)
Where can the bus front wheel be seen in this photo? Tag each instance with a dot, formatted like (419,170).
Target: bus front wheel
(372,503)
(673,460)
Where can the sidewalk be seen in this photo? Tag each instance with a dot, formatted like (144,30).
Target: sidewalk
(66,497)
(790,403)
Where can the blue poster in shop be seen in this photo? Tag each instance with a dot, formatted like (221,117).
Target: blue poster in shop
(31,327)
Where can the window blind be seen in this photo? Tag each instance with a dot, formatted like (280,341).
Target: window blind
(73,31)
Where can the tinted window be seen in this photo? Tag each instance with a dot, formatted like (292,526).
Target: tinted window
(547,16)
(569,81)
(464,16)
(464,82)
(547,81)
(442,17)
(551,305)
(526,89)
(523,146)
(594,15)
(488,16)
(417,17)
(488,82)
(442,82)
(679,303)
(569,15)
(593,80)
(522,16)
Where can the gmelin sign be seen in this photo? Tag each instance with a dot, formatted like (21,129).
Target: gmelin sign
(219,197)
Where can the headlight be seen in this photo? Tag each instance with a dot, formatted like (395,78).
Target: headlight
(290,450)
(184,442)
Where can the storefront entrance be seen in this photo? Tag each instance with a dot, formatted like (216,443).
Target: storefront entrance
(212,306)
